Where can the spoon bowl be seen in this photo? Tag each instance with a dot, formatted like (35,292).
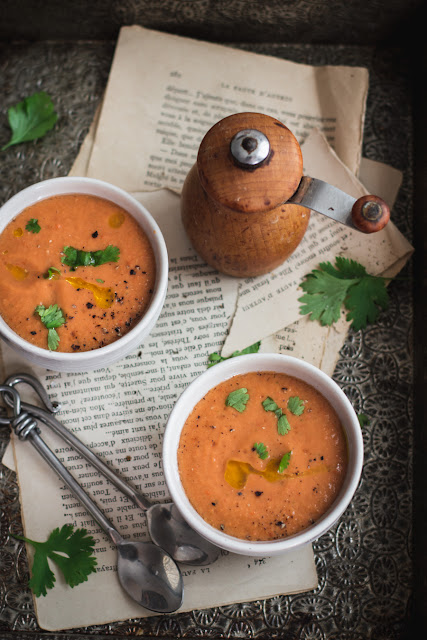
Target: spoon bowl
(169,530)
(149,575)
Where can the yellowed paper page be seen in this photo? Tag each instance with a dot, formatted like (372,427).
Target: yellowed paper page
(164,93)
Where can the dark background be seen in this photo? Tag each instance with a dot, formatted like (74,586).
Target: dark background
(62,46)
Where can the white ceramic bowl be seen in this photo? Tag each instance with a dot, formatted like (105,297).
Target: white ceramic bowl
(244,364)
(120,348)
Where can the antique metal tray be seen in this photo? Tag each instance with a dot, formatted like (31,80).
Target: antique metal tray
(365,563)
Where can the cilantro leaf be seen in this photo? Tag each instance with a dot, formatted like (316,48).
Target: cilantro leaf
(215,357)
(283,426)
(261,450)
(31,119)
(52,339)
(363,419)
(52,318)
(71,549)
(269,404)
(238,399)
(78,258)
(347,283)
(364,301)
(296,405)
(284,462)
(33,225)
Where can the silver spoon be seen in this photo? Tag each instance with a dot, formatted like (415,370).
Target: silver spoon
(146,572)
(166,526)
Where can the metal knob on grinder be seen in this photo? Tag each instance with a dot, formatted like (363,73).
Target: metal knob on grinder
(246,205)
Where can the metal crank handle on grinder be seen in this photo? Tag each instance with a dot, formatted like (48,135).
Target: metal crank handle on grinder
(56,426)
(367,214)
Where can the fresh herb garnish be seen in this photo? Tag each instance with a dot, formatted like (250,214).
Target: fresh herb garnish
(78,258)
(238,399)
(52,318)
(349,284)
(100,280)
(261,450)
(33,225)
(363,420)
(31,119)
(52,273)
(296,406)
(283,425)
(77,563)
(214,358)
(284,462)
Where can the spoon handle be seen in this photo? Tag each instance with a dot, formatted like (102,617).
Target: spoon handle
(46,453)
(137,498)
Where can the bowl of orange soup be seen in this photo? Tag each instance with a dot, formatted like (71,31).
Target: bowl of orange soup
(84,271)
(262,454)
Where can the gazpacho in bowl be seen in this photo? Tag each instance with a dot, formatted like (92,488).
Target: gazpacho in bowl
(262,453)
(84,273)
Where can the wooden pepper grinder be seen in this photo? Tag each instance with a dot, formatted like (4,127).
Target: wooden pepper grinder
(245,204)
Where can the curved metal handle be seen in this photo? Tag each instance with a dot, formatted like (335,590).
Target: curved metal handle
(73,485)
(137,498)
(367,214)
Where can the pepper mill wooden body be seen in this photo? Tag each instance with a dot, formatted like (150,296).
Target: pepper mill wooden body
(236,214)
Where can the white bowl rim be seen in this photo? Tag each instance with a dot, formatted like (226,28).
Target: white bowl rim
(74,184)
(262,362)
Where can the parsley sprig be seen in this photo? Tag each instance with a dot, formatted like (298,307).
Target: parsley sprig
(284,462)
(70,549)
(347,283)
(31,119)
(238,399)
(78,258)
(261,450)
(296,405)
(52,318)
(283,426)
(215,357)
(33,225)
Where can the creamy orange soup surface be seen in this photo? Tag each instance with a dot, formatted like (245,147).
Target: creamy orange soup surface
(254,474)
(99,303)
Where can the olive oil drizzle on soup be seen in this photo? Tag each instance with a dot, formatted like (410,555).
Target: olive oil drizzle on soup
(99,303)
(255,501)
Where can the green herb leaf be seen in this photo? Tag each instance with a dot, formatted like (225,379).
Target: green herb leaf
(269,404)
(31,119)
(296,406)
(284,462)
(77,563)
(363,420)
(100,280)
(347,283)
(33,225)
(52,273)
(215,357)
(78,258)
(238,399)
(52,318)
(283,426)
(261,450)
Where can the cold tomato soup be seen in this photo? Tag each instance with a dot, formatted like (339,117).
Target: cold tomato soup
(77,262)
(262,456)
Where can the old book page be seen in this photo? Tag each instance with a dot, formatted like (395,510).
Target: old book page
(164,93)
(121,411)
